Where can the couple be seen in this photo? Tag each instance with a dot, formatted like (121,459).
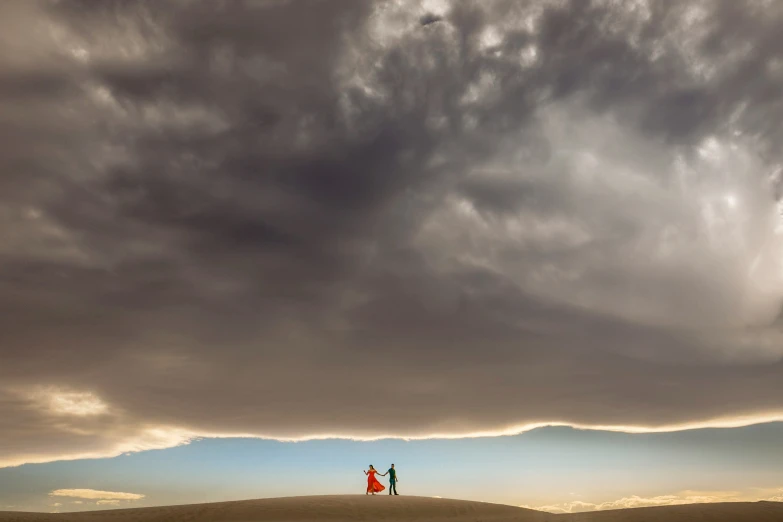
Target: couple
(373,486)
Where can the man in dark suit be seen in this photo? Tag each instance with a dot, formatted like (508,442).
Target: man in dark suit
(392,479)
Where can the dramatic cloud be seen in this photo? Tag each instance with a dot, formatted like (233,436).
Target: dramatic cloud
(361,219)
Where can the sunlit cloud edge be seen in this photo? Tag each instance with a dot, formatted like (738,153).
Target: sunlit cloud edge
(170,437)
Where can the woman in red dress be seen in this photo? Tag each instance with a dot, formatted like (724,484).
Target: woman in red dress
(373,486)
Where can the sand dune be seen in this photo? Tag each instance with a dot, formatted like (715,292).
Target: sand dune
(402,509)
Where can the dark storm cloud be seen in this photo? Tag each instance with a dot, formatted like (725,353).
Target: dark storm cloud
(302,218)
(429,18)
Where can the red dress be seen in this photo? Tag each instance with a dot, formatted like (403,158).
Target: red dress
(373,486)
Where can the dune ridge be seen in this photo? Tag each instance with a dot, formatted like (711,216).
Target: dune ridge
(355,508)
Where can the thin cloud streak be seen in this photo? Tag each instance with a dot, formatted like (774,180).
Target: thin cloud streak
(92,494)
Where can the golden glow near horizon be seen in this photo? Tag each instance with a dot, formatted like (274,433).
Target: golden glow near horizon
(680,498)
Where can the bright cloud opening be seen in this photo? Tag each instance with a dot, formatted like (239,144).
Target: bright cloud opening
(70,403)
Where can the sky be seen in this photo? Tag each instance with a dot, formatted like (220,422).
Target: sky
(227,226)
(558,469)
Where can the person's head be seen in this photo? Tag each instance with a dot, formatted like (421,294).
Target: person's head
(392,466)
(371,466)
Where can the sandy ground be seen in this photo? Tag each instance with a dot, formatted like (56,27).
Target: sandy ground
(403,509)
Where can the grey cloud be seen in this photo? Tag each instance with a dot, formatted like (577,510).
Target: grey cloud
(304,218)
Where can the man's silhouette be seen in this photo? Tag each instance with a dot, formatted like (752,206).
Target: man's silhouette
(392,479)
